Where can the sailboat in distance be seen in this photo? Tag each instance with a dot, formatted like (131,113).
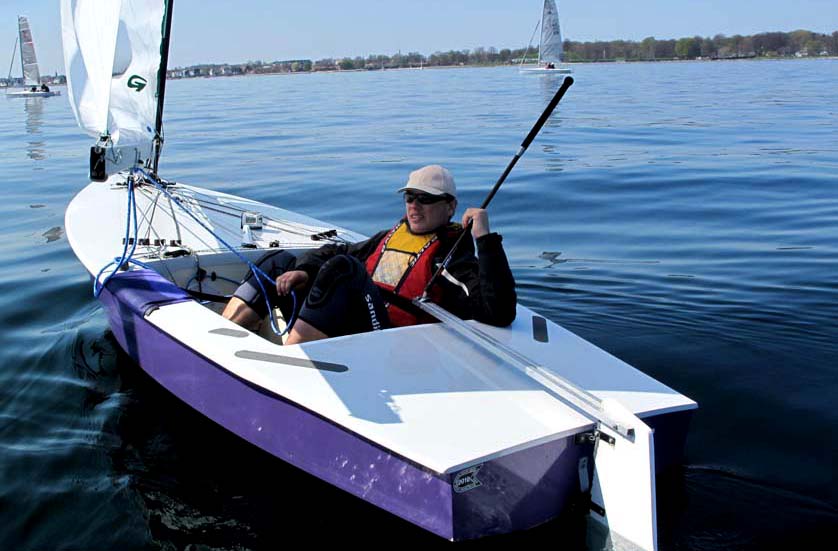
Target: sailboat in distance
(550,48)
(29,65)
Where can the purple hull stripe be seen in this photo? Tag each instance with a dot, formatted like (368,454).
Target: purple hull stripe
(514,492)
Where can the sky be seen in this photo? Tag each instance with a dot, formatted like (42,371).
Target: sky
(235,31)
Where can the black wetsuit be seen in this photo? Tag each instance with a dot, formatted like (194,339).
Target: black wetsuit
(342,299)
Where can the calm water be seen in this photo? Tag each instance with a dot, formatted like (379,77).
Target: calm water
(682,216)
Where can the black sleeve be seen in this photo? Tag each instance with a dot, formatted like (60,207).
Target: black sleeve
(311,261)
(491,288)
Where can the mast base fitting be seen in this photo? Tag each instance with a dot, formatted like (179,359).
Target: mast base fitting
(98,171)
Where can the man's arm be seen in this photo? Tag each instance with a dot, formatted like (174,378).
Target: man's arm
(311,261)
(491,288)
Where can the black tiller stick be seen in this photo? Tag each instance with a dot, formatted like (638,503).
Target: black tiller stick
(566,83)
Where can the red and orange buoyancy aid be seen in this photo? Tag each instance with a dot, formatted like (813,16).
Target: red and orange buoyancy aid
(403,264)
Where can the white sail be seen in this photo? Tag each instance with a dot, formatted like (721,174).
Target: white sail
(88,30)
(550,50)
(112,57)
(28,61)
(136,70)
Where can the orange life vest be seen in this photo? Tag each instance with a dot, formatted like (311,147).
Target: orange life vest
(403,264)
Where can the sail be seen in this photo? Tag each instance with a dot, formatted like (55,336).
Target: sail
(31,75)
(112,57)
(551,36)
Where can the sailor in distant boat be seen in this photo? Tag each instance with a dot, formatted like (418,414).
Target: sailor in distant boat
(44,88)
(366,286)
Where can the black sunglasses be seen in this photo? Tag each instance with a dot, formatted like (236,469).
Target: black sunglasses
(425,198)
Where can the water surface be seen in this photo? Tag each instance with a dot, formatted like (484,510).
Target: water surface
(682,216)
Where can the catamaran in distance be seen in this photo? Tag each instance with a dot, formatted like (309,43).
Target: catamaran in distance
(29,66)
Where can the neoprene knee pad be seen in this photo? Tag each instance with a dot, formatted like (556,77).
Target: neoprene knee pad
(334,272)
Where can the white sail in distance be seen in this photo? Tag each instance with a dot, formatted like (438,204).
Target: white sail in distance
(112,57)
(28,61)
(550,50)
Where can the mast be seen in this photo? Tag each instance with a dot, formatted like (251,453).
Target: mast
(541,38)
(161,84)
(526,53)
(20,41)
(12,63)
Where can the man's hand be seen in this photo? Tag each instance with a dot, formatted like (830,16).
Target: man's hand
(479,218)
(289,281)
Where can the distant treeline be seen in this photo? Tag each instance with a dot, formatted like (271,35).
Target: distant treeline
(777,44)
(793,44)
(797,43)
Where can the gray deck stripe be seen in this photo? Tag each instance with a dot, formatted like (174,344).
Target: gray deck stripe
(288,360)
(230,332)
(539,329)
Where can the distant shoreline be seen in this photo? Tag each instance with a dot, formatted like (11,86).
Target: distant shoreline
(798,44)
(61,79)
(504,65)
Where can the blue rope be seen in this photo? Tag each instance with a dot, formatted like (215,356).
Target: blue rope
(140,264)
(118,260)
(253,267)
(126,256)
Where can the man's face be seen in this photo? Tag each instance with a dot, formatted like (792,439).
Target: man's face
(425,217)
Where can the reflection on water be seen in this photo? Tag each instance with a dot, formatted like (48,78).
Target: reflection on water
(549,85)
(35,147)
(53,234)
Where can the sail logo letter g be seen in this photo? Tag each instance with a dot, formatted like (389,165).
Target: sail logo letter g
(137,82)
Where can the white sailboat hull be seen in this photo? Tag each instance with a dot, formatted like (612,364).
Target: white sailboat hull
(545,71)
(415,419)
(30,94)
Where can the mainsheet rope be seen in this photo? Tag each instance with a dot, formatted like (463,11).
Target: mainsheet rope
(126,257)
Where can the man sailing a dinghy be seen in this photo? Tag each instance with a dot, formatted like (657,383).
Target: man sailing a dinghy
(365,286)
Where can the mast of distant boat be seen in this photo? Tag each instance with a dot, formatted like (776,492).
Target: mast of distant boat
(12,63)
(524,59)
(22,64)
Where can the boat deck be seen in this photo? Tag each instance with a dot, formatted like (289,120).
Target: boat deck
(164,227)
(421,391)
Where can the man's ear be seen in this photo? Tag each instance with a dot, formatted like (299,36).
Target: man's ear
(452,208)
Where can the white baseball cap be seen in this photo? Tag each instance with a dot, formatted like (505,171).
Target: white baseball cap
(432,179)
